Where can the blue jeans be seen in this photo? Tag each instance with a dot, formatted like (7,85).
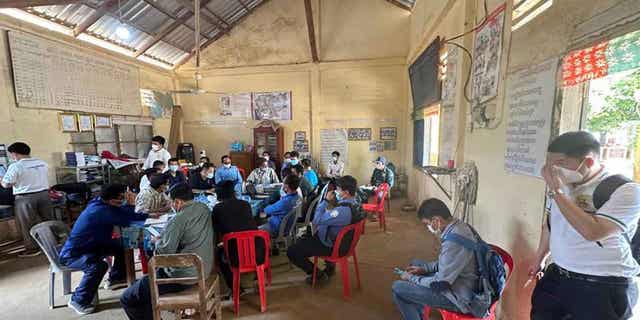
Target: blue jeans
(94,268)
(411,298)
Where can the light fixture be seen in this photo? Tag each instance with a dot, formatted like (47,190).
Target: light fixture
(121,31)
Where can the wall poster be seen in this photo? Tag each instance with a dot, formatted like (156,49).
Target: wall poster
(388,133)
(359,134)
(487,52)
(236,105)
(333,140)
(530,101)
(272,106)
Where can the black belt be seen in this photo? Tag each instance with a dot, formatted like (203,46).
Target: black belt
(586,277)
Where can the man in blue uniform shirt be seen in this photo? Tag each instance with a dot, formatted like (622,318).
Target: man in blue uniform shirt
(90,242)
(277,211)
(332,214)
(229,172)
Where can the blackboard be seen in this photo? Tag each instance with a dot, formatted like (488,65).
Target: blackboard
(426,88)
(418,142)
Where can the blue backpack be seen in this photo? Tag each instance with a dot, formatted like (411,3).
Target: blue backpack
(492,276)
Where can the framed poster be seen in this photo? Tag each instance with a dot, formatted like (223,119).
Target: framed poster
(388,133)
(359,134)
(300,135)
(68,122)
(487,53)
(271,105)
(102,121)
(85,122)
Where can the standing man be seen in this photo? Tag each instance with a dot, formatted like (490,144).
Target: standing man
(335,169)
(157,152)
(229,172)
(29,179)
(593,269)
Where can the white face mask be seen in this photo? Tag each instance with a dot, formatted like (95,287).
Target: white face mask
(156,147)
(210,175)
(569,176)
(266,158)
(431,229)
(227,165)
(173,168)
(335,159)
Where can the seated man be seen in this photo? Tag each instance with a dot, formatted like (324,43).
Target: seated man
(153,199)
(277,211)
(232,215)
(202,178)
(305,185)
(456,268)
(381,174)
(158,167)
(90,242)
(263,174)
(174,174)
(229,172)
(270,163)
(285,163)
(203,160)
(335,168)
(189,231)
(333,213)
(309,173)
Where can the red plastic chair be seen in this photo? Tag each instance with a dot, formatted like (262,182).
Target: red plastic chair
(378,207)
(243,174)
(343,261)
(449,315)
(144,262)
(247,263)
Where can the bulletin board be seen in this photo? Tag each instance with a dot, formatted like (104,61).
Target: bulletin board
(51,75)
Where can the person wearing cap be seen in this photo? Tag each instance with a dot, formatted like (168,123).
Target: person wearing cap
(157,152)
(153,199)
(381,174)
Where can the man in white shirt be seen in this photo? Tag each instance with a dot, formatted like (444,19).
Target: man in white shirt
(157,152)
(593,271)
(29,179)
(335,169)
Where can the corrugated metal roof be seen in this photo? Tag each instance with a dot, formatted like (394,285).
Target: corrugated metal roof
(408,3)
(146,18)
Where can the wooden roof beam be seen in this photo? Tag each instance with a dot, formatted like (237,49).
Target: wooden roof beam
(34,3)
(312,34)
(95,16)
(187,4)
(400,5)
(174,17)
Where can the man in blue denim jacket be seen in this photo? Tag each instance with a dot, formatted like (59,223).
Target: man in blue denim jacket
(449,282)
(332,214)
(277,211)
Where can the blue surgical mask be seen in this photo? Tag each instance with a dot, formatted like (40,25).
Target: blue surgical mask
(173,168)
(294,162)
(210,175)
(124,202)
(338,196)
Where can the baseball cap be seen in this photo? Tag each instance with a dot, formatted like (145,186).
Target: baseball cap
(381,159)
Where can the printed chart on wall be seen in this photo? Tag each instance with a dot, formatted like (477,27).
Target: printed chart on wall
(333,140)
(160,104)
(487,52)
(448,121)
(272,106)
(50,75)
(530,101)
(236,105)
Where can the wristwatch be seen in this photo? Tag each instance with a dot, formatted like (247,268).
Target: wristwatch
(553,193)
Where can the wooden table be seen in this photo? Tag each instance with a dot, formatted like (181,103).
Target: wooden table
(129,266)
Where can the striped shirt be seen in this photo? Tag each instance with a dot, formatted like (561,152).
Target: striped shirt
(150,200)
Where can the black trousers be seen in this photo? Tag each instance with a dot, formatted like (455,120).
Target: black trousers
(559,296)
(136,300)
(225,268)
(300,252)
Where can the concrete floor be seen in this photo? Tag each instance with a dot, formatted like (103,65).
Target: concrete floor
(24,282)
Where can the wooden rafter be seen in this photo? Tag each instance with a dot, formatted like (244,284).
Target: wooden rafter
(174,17)
(221,34)
(187,4)
(95,16)
(176,23)
(34,3)
(400,5)
(312,34)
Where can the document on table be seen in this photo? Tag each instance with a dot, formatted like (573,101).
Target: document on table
(163,219)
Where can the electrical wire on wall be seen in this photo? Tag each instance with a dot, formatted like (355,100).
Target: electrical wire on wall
(466,192)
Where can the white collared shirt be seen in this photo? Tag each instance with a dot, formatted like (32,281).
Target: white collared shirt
(610,256)
(27,176)
(162,155)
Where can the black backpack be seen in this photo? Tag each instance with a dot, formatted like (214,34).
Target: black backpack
(603,193)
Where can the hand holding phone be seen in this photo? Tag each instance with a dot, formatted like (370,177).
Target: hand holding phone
(398,271)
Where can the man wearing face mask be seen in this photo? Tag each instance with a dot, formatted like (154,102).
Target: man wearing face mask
(593,269)
(277,211)
(337,210)
(154,199)
(381,174)
(289,161)
(203,178)
(174,174)
(335,169)
(270,163)
(190,231)
(263,174)
(157,152)
(229,172)
(90,242)
(447,283)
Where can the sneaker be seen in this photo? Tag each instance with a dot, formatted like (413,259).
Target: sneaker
(29,253)
(321,277)
(81,310)
(114,284)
